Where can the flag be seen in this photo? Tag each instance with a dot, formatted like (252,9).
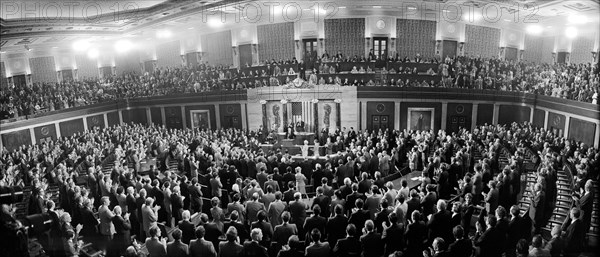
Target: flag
(303,111)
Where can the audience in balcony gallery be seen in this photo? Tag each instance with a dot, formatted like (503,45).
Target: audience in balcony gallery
(261,211)
(578,82)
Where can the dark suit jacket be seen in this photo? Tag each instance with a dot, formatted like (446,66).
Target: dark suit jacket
(229,249)
(212,233)
(349,246)
(187,231)
(336,228)
(358,218)
(413,204)
(575,235)
(515,232)
(461,248)
(439,226)
(488,243)
(428,203)
(177,249)
(202,248)
(351,200)
(242,231)
(313,222)
(371,245)
(283,232)
(415,235)
(393,238)
(253,249)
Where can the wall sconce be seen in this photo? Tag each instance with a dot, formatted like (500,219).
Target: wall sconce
(254,48)
(234,50)
(368,41)
(297,44)
(321,42)
(594,55)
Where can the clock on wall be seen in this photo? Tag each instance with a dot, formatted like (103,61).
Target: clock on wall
(380,108)
(230,109)
(460,109)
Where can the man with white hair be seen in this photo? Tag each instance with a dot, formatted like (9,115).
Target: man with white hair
(440,224)
(253,247)
(253,207)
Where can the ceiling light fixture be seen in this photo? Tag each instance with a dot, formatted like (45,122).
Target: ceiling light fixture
(534,29)
(571,32)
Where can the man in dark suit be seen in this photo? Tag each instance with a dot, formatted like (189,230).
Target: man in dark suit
(351,198)
(177,204)
(429,201)
(462,247)
(212,231)
(187,228)
(265,227)
(253,248)
(323,201)
(382,217)
(315,221)
(515,229)
(393,235)
(536,208)
(371,241)
(439,224)
(488,241)
(586,202)
(297,210)
(122,237)
(200,247)
(195,196)
(177,248)
(413,204)
(359,216)
(574,233)
(242,232)
(556,244)
(349,246)
(282,232)
(288,195)
(416,235)
(336,225)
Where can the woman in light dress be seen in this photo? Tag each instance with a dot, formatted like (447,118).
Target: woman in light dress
(304,148)
(300,181)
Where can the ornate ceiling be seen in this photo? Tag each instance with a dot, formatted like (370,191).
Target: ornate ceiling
(25,24)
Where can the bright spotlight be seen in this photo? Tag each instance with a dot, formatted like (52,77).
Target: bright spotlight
(93,53)
(534,29)
(123,45)
(571,32)
(163,33)
(578,19)
(81,45)
(215,23)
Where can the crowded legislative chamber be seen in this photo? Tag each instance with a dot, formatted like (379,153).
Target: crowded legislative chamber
(343,128)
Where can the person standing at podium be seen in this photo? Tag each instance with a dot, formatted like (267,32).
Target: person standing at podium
(300,125)
(289,132)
